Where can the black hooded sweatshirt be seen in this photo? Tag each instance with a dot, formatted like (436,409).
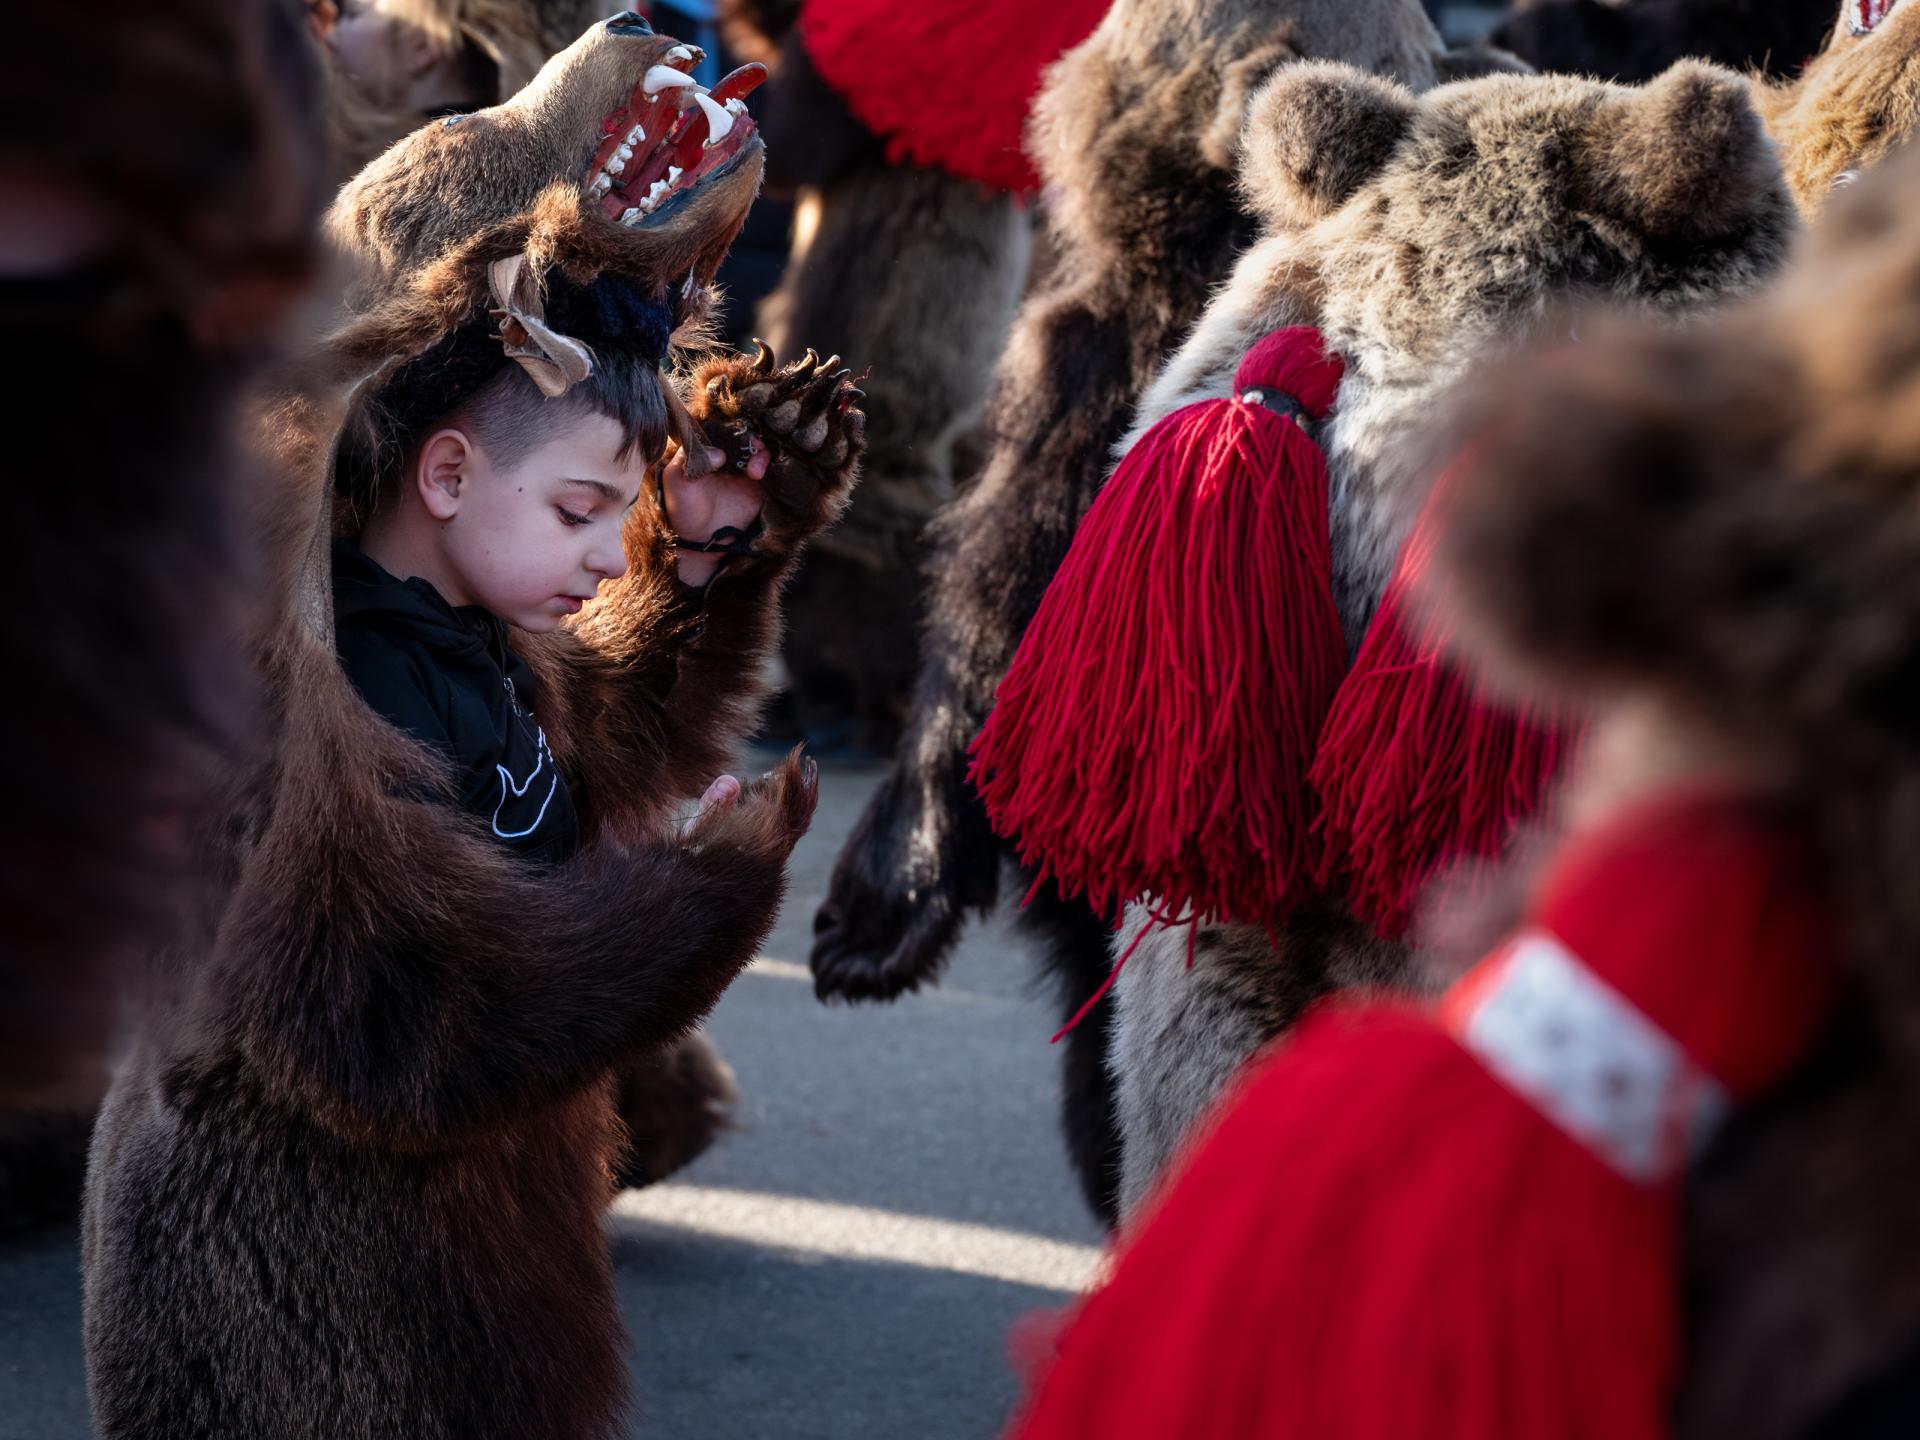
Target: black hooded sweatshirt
(447,677)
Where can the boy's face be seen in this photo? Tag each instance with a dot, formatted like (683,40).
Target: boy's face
(531,542)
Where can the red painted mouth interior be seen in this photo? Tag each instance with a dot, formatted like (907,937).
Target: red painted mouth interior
(668,137)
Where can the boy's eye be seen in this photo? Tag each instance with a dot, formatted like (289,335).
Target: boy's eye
(568,517)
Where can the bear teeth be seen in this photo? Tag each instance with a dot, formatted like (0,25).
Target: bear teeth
(719,122)
(664,77)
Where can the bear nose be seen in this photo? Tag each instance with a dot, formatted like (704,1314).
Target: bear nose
(628,22)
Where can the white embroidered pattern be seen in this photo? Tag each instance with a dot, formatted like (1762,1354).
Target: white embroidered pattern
(1583,1055)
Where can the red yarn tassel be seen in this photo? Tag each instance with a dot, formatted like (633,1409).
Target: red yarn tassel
(1377,1238)
(1415,769)
(1154,731)
(946,84)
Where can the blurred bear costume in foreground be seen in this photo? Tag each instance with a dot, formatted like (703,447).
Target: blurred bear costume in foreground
(1760,471)
(155,249)
(1134,134)
(1421,236)
(351,1178)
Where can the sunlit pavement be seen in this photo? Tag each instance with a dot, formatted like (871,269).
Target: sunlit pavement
(846,1265)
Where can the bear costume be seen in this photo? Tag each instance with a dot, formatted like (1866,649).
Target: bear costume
(1134,134)
(168,237)
(1421,236)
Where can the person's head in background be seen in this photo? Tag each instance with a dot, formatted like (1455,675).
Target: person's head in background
(412,55)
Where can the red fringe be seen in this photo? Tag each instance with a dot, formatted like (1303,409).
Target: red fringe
(1154,731)
(946,84)
(1415,769)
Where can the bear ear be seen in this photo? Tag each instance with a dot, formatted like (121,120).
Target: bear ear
(1684,156)
(1314,135)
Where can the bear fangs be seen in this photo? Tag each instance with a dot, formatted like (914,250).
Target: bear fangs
(719,121)
(665,77)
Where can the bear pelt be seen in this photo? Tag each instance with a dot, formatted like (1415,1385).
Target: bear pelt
(349,1180)
(500,44)
(1634,40)
(1422,236)
(170,234)
(1853,104)
(912,274)
(1134,133)
(1760,470)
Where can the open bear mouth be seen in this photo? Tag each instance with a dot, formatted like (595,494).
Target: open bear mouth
(669,137)
(1864,16)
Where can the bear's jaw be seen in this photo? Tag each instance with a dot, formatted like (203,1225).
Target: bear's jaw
(669,137)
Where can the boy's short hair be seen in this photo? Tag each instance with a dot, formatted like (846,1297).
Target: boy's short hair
(467,382)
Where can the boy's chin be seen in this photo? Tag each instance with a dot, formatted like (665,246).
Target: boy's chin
(537,621)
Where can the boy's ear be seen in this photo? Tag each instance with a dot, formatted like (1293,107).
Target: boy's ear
(442,470)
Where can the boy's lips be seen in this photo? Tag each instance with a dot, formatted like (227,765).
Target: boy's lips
(570,604)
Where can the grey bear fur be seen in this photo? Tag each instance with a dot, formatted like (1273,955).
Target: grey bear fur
(1468,220)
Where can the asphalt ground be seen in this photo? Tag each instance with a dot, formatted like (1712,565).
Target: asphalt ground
(844,1265)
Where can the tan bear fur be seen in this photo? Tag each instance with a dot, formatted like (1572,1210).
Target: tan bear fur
(1853,104)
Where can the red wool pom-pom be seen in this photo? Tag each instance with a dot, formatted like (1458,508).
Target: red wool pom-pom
(1154,732)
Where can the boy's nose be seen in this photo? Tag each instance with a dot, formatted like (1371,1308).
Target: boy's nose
(609,563)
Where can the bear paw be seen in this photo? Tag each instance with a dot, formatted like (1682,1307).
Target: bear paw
(807,413)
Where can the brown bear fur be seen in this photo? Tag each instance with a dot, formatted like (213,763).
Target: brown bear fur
(1760,471)
(1134,134)
(1853,104)
(349,1181)
(1449,228)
